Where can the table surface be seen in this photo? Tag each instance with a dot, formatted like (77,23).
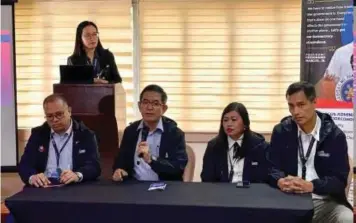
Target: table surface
(175,194)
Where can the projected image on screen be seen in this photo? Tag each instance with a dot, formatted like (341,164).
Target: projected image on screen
(6,85)
(8,103)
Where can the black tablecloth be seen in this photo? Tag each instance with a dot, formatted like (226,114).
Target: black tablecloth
(180,202)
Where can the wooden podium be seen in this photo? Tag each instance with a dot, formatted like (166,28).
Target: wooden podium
(102,108)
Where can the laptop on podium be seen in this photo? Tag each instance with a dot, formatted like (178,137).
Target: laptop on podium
(76,74)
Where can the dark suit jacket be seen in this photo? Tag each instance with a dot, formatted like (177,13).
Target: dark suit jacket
(105,58)
(332,168)
(34,159)
(215,161)
(172,144)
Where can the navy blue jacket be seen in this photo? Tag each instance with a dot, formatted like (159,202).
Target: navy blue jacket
(172,144)
(332,169)
(34,159)
(215,161)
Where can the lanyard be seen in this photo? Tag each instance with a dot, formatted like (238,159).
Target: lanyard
(95,66)
(232,162)
(231,173)
(95,61)
(304,158)
(58,152)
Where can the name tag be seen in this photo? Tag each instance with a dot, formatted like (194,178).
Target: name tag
(82,151)
(254,163)
(323,154)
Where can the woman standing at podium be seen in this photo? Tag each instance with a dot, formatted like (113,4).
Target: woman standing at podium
(89,51)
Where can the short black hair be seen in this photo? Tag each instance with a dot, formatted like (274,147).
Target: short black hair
(155,88)
(304,86)
(55,97)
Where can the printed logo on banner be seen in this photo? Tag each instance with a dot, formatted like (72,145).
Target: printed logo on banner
(344,89)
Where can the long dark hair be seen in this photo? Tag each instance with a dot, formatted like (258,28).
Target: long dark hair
(242,111)
(79,46)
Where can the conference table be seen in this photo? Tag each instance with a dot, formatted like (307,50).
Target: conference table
(105,201)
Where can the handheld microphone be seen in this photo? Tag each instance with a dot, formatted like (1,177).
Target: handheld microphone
(144,134)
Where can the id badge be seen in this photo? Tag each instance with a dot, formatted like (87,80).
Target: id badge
(59,172)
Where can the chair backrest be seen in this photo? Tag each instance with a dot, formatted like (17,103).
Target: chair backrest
(188,174)
(349,178)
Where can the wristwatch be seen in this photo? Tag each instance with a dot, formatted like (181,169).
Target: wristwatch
(80,176)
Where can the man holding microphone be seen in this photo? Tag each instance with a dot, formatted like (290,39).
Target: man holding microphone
(153,148)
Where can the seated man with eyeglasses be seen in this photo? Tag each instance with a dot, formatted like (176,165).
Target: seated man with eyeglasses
(153,148)
(61,151)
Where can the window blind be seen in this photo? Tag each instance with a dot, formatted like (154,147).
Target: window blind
(208,53)
(45,34)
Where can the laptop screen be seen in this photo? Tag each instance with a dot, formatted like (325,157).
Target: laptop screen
(76,74)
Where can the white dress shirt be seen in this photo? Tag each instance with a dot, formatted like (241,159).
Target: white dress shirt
(143,170)
(65,158)
(238,166)
(311,173)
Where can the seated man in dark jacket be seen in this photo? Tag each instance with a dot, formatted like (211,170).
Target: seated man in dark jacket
(153,148)
(308,154)
(61,151)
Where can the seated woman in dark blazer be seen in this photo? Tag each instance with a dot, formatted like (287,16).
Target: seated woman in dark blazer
(88,50)
(236,154)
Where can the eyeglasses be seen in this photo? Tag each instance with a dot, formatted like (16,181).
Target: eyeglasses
(154,104)
(88,35)
(57,115)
